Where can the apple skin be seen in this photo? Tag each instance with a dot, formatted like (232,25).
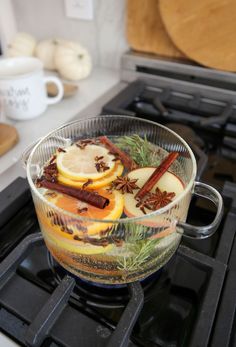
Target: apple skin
(168,182)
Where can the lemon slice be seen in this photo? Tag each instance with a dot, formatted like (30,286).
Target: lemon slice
(104,181)
(80,164)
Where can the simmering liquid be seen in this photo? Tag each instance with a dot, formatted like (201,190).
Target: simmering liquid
(113,248)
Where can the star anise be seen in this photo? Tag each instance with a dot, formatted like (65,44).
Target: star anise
(160,199)
(83,143)
(154,201)
(124,184)
(101,166)
(142,205)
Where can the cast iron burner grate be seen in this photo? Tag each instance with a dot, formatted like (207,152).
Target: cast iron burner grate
(50,309)
(183,300)
(55,306)
(97,294)
(139,98)
(213,119)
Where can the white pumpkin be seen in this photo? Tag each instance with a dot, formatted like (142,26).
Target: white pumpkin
(23,44)
(45,51)
(72,61)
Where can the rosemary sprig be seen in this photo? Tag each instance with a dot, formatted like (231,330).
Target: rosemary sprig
(135,232)
(137,254)
(140,150)
(137,247)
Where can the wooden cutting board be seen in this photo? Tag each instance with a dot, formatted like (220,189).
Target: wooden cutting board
(145,30)
(204,30)
(8,137)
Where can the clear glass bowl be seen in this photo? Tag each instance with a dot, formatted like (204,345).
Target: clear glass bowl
(126,249)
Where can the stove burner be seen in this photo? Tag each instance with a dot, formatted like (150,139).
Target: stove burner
(195,142)
(160,107)
(220,119)
(97,294)
(220,170)
(187,133)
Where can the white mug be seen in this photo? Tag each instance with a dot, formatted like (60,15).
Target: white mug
(23,88)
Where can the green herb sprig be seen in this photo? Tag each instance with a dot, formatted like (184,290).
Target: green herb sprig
(138,254)
(138,248)
(140,150)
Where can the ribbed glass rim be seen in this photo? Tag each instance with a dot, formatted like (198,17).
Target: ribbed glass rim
(120,220)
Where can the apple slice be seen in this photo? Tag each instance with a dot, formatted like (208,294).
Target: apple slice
(168,182)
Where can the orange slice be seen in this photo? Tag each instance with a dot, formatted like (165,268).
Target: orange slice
(80,164)
(118,169)
(77,246)
(113,211)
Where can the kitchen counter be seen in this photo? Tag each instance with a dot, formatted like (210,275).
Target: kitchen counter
(93,93)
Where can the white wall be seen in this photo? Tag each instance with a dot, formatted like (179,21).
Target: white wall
(104,37)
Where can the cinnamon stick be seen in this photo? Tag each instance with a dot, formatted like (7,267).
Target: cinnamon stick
(80,194)
(128,162)
(157,174)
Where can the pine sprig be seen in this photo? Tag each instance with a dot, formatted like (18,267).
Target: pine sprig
(140,150)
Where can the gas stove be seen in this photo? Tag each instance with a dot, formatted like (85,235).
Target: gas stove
(191,301)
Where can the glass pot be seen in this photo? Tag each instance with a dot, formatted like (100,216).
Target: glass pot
(125,249)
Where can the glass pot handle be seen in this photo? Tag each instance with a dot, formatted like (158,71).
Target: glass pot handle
(25,155)
(201,232)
